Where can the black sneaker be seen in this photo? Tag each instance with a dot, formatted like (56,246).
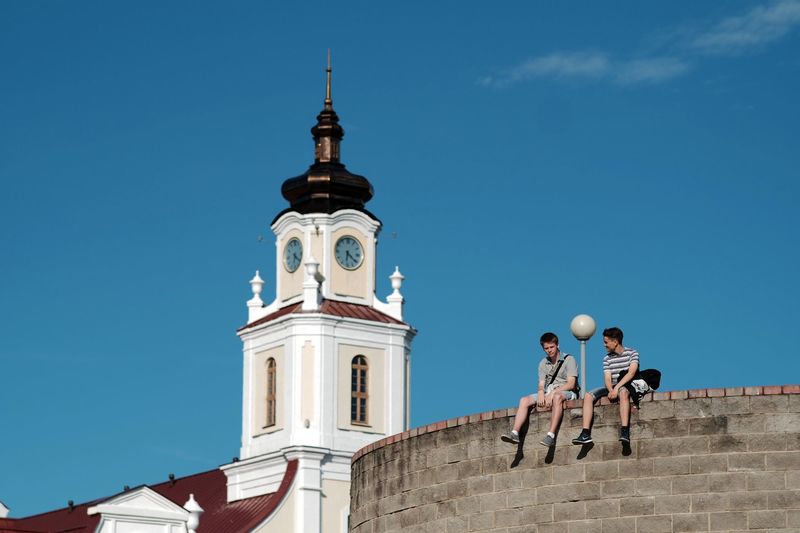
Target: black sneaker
(583,438)
(509,437)
(625,434)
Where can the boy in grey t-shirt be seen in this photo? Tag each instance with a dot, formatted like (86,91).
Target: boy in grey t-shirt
(558,378)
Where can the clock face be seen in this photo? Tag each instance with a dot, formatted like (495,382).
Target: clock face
(292,255)
(348,253)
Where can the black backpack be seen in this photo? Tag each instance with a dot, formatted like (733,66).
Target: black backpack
(651,376)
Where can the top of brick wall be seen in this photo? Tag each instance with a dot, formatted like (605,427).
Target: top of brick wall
(502,413)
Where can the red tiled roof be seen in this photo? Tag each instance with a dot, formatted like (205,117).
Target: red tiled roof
(330,307)
(209,489)
(364,312)
(60,521)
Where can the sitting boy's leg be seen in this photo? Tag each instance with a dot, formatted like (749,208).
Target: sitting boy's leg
(588,411)
(525,405)
(624,415)
(555,417)
(624,406)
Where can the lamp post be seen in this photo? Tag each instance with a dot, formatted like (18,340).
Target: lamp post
(583,327)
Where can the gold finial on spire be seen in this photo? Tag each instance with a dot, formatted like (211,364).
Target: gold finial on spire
(328,101)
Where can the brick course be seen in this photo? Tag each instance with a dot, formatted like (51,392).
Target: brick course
(701,460)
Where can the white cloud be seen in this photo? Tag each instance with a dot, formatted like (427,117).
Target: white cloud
(757,27)
(595,65)
(652,70)
(558,65)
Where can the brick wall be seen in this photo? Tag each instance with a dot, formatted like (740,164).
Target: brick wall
(700,460)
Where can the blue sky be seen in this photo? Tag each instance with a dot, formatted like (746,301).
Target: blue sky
(637,162)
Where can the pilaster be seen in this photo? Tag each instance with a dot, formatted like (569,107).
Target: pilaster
(308,488)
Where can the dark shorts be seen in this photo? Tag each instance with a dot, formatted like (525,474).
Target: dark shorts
(635,396)
(602,391)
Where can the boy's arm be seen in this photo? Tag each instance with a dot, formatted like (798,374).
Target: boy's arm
(633,367)
(628,375)
(540,394)
(569,385)
(607,380)
(612,392)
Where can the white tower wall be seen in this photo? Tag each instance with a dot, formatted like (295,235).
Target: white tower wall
(313,351)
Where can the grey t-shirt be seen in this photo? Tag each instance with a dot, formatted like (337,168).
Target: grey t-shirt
(569,368)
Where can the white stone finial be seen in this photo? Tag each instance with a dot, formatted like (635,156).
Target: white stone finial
(257,285)
(395,300)
(255,304)
(312,297)
(195,511)
(3,510)
(397,281)
(312,267)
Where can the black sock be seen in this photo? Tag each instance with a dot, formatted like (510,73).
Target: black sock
(626,427)
(586,432)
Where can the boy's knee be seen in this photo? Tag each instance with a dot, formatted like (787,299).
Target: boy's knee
(624,393)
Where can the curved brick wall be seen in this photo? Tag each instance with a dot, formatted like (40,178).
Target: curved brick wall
(702,460)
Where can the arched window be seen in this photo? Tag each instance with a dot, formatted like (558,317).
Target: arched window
(271,391)
(359,391)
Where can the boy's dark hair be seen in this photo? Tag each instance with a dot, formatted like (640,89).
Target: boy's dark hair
(613,333)
(548,337)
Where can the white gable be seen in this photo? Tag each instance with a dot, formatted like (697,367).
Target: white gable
(140,510)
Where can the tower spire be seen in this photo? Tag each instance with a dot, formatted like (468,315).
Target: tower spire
(327,133)
(327,186)
(328,101)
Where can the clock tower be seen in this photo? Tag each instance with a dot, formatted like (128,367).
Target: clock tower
(326,363)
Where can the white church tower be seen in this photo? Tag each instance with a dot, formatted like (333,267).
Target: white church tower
(326,364)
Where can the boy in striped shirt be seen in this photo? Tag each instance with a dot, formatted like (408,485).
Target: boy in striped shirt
(619,368)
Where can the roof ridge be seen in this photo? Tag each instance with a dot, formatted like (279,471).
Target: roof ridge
(59,509)
(203,473)
(89,503)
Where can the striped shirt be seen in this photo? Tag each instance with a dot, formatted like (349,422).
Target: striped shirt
(618,363)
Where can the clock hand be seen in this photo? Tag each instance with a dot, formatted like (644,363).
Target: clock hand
(347,254)
(296,258)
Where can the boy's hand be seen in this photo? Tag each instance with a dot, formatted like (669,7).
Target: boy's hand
(548,400)
(612,394)
(541,399)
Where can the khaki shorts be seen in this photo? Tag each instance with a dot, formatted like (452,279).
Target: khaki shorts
(567,394)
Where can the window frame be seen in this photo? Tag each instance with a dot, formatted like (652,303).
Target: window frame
(271,394)
(359,379)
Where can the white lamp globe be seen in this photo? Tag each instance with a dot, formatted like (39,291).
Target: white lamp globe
(583,327)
